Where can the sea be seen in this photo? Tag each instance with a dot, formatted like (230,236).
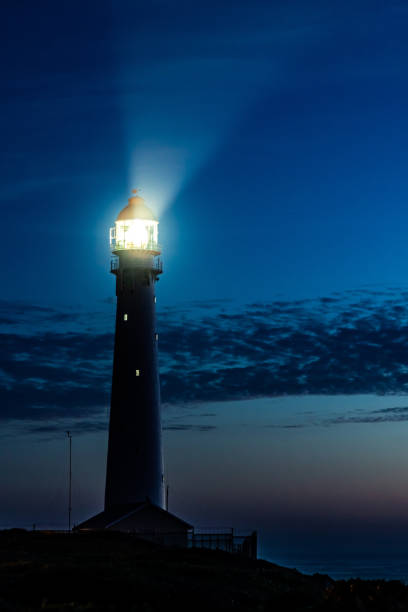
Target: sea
(386,567)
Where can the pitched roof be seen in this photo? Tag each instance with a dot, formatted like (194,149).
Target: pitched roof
(104,518)
(143,516)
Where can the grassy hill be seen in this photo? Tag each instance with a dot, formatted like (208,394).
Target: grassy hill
(113,571)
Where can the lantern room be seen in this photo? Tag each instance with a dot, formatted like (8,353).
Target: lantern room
(136,228)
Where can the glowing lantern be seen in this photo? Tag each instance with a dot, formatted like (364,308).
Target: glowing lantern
(136,228)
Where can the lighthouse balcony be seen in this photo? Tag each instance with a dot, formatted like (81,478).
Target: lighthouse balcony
(155,265)
(126,245)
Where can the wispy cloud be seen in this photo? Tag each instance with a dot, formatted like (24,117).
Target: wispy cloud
(189,427)
(385,415)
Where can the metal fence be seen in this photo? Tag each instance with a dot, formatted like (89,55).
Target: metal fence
(224,539)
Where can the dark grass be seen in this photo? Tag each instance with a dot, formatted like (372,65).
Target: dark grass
(112,571)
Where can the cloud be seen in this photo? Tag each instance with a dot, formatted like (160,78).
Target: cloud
(286,426)
(350,343)
(189,427)
(75,427)
(54,375)
(385,415)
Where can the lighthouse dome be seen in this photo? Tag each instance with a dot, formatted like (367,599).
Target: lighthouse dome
(136,209)
(136,228)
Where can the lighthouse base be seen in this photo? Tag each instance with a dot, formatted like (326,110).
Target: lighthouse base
(145,520)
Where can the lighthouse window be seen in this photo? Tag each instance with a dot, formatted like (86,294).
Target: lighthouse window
(156,336)
(155,299)
(125,317)
(137,372)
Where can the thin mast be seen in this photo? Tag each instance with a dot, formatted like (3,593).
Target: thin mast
(70,480)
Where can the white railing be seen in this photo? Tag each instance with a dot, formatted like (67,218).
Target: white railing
(122,245)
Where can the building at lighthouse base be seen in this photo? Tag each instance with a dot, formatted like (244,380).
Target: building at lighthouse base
(145,520)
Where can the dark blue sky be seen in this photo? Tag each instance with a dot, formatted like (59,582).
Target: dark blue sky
(271,140)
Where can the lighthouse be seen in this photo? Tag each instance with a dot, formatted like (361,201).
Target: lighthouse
(134,470)
(135,463)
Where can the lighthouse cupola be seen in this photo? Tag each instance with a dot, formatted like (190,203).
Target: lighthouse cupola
(136,228)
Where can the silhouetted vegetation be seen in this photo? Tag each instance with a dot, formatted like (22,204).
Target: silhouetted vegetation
(113,571)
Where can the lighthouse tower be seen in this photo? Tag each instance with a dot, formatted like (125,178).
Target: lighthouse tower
(135,465)
(134,471)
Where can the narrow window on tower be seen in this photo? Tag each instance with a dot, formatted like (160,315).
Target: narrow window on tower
(125,317)
(137,372)
(156,336)
(155,299)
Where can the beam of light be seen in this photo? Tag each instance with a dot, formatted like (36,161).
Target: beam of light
(179,99)
(161,170)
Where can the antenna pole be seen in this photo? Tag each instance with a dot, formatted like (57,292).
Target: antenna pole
(70,480)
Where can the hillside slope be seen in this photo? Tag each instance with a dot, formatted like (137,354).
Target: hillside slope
(112,571)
